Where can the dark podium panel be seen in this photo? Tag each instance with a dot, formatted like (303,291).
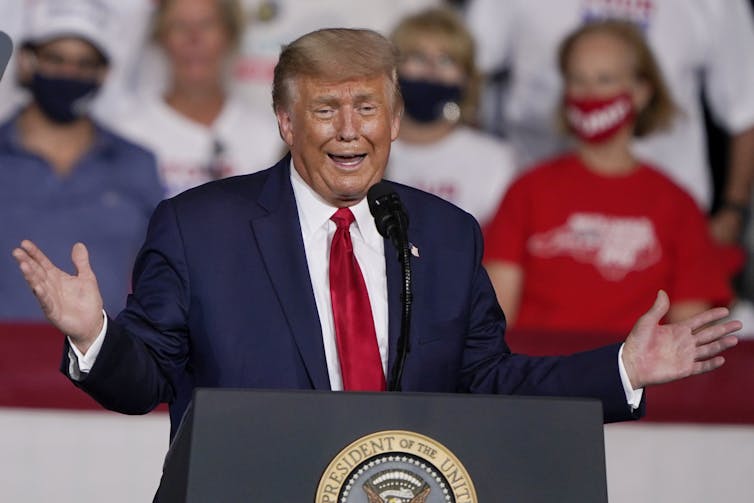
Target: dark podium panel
(274,446)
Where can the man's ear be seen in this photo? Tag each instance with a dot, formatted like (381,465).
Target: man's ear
(285,125)
(25,63)
(395,123)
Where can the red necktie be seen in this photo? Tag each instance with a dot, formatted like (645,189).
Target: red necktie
(356,339)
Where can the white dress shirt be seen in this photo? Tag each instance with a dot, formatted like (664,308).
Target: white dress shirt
(317,230)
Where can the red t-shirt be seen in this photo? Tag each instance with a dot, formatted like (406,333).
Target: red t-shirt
(595,249)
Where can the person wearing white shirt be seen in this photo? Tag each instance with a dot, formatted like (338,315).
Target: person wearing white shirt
(438,150)
(197,127)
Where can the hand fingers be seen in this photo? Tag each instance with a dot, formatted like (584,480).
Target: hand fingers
(80,258)
(714,332)
(713,349)
(20,255)
(708,365)
(698,321)
(659,309)
(36,254)
(36,277)
(32,271)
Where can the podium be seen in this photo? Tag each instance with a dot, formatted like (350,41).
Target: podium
(318,446)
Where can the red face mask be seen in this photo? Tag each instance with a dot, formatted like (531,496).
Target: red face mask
(595,120)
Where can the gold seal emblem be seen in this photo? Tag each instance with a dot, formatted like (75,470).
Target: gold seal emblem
(395,466)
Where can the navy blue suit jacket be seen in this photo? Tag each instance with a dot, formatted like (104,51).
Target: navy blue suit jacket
(222,298)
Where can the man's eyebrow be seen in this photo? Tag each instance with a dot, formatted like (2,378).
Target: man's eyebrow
(325,99)
(334,100)
(365,96)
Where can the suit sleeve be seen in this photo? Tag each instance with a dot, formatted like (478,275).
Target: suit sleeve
(146,347)
(489,366)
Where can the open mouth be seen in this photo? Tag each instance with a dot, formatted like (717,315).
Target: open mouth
(347,160)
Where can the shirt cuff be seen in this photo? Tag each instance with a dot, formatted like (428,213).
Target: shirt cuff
(79,363)
(633,396)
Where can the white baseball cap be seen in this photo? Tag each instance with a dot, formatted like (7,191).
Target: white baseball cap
(47,20)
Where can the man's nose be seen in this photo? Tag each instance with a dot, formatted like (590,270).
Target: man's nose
(347,127)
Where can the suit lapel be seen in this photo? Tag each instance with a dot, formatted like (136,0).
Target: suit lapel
(278,234)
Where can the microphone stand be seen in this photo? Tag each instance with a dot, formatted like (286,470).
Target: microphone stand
(407,298)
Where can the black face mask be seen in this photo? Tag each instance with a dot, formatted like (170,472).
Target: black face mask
(425,100)
(63,99)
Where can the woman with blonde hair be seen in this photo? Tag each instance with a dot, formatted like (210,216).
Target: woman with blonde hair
(438,150)
(198,129)
(584,241)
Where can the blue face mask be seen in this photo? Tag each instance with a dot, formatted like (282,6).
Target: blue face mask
(63,99)
(425,100)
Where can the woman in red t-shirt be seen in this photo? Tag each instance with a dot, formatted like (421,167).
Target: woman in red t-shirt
(585,241)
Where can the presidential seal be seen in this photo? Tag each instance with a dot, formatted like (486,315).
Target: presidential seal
(395,466)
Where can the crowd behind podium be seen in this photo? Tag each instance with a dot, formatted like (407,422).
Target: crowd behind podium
(183,97)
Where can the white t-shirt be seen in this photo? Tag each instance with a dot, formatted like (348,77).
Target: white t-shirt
(188,153)
(697,43)
(468,168)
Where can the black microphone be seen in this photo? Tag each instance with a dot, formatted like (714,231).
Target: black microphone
(6,49)
(392,223)
(389,216)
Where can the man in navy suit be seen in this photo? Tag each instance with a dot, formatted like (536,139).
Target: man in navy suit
(231,286)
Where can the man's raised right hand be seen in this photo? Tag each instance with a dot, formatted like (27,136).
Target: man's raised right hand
(72,303)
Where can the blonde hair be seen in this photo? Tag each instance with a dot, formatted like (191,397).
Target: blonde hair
(231,16)
(336,54)
(448,27)
(659,112)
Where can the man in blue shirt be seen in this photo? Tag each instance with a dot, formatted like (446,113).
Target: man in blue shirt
(63,177)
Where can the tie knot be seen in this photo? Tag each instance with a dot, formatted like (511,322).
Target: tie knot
(343,218)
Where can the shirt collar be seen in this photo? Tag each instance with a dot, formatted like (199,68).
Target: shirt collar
(314,212)
(10,137)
